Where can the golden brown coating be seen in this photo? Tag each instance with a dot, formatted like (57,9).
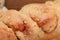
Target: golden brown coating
(47,16)
(31,29)
(24,27)
(6,33)
(42,14)
(56,6)
(12,19)
(34,21)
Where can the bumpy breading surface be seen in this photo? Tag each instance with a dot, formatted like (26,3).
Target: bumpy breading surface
(6,33)
(12,19)
(33,22)
(22,25)
(42,14)
(46,16)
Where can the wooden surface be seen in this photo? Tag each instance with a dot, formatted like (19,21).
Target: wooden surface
(17,4)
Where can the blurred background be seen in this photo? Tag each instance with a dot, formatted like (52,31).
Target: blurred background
(17,4)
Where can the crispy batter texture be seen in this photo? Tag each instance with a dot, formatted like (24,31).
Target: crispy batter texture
(6,33)
(42,14)
(12,19)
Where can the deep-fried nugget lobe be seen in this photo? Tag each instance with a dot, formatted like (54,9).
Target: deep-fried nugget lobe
(13,20)
(6,33)
(42,14)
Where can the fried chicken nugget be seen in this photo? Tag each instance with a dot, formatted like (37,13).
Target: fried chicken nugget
(42,14)
(28,29)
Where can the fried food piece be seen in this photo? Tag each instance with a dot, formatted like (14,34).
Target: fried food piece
(56,6)
(31,29)
(42,14)
(12,19)
(49,10)
(6,33)
(28,29)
